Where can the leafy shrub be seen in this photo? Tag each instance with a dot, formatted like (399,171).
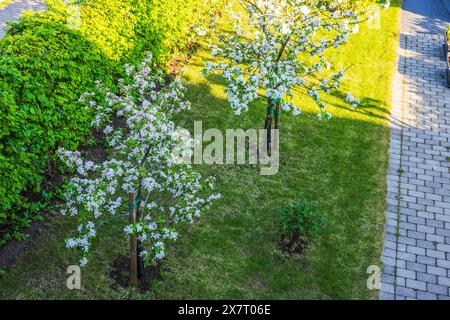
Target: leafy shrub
(46,64)
(43,65)
(299,223)
(172,24)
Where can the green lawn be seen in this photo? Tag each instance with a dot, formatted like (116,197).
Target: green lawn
(232,252)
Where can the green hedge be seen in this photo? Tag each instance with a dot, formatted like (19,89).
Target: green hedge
(49,59)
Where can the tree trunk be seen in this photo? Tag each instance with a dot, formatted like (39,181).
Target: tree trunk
(133,244)
(140,259)
(268,124)
(277,115)
(273,115)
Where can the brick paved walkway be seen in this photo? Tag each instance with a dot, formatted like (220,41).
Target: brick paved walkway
(416,254)
(13,10)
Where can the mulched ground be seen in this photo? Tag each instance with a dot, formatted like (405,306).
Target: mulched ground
(120,273)
(293,244)
(13,248)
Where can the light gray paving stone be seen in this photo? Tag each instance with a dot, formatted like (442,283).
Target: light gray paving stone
(388,270)
(426,277)
(405,292)
(415,250)
(426,260)
(387,287)
(387,278)
(415,284)
(443,247)
(435,254)
(399,281)
(435,238)
(443,232)
(422,295)
(406,256)
(425,244)
(410,274)
(407,240)
(425,229)
(420,267)
(444,281)
(387,296)
(443,263)
(436,271)
(434,223)
(436,288)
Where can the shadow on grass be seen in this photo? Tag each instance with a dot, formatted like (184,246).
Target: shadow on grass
(233,251)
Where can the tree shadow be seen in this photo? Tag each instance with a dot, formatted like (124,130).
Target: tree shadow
(341,164)
(368,106)
(426,15)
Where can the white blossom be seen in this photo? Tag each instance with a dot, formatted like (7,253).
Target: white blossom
(283,49)
(83,262)
(169,193)
(354,102)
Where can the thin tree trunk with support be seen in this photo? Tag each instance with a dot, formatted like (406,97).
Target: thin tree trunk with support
(272,117)
(133,243)
(268,124)
(277,114)
(140,259)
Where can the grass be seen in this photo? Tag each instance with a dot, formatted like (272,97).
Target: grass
(233,252)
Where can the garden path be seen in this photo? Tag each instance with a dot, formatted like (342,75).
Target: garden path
(416,254)
(13,10)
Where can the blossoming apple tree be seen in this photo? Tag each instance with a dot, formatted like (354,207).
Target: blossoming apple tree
(146,162)
(282,51)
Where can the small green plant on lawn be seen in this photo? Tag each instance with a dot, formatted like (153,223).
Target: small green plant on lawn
(299,223)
